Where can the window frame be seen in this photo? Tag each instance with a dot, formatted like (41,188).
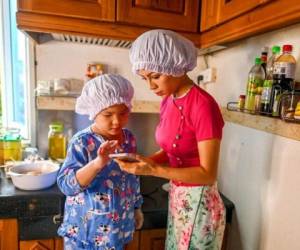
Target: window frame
(6,74)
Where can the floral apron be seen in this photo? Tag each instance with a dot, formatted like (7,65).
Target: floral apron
(196,219)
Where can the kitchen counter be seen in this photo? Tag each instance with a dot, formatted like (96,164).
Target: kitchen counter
(35,208)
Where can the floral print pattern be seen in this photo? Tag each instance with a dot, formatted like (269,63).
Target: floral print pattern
(101,215)
(196,219)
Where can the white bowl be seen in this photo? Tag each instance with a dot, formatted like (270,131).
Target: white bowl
(34,175)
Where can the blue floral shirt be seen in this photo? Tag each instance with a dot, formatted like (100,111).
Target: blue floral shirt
(101,215)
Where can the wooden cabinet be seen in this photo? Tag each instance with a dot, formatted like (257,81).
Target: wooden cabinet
(97,18)
(209,14)
(88,9)
(46,244)
(177,15)
(8,234)
(221,21)
(153,239)
(216,12)
(229,9)
(135,243)
(229,20)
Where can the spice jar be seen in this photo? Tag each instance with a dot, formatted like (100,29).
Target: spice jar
(57,141)
(241,103)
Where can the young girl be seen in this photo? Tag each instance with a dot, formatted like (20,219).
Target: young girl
(189,134)
(103,203)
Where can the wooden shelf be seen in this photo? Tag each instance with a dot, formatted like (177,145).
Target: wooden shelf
(267,124)
(68,104)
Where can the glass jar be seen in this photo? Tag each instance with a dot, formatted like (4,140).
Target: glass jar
(10,145)
(57,141)
(241,103)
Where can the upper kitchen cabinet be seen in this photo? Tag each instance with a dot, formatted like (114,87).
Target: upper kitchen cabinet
(179,15)
(97,18)
(103,10)
(215,12)
(229,9)
(224,21)
(209,14)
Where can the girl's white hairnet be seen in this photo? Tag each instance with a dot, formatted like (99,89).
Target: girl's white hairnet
(102,92)
(163,51)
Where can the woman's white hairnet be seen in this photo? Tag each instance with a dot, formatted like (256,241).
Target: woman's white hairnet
(102,92)
(163,51)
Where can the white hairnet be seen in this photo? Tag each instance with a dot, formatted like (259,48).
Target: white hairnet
(163,51)
(102,92)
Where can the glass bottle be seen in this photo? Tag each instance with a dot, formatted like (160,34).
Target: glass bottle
(267,86)
(57,141)
(283,76)
(264,57)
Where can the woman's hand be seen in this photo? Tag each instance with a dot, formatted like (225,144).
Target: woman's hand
(139,218)
(145,166)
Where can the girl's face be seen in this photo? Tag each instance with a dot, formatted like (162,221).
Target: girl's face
(160,84)
(110,121)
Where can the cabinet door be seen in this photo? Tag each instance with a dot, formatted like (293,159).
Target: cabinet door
(209,14)
(8,234)
(229,9)
(59,244)
(153,239)
(269,15)
(87,9)
(134,244)
(37,244)
(178,15)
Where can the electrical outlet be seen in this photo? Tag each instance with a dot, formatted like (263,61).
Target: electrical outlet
(208,75)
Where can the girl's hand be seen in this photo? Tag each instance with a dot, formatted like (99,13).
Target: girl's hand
(145,166)
(139,218)
(106,148)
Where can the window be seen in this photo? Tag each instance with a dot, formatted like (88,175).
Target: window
(17,67)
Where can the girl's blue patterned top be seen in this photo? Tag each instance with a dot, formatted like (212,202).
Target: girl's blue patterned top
(101,215)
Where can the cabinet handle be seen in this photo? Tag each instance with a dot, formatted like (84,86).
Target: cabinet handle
(57,219)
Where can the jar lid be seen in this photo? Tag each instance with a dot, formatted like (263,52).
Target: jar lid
(56,126)
(10,134)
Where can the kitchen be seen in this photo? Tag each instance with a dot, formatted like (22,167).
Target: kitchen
(258,161)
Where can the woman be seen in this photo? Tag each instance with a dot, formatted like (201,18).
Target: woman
(189,134)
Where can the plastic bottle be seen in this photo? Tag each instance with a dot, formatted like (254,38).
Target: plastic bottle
(283,76)
(254,87)
(56,141)
(267,87)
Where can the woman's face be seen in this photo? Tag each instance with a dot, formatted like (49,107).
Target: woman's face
(110,121)
(160,84)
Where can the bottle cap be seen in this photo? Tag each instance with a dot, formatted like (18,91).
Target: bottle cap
(265,50)
(276,49)
(287,48)
(257,60)
(242,96)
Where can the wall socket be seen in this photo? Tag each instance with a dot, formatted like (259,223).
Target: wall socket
(206,76)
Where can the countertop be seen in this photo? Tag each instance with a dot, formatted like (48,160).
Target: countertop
(15,203)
